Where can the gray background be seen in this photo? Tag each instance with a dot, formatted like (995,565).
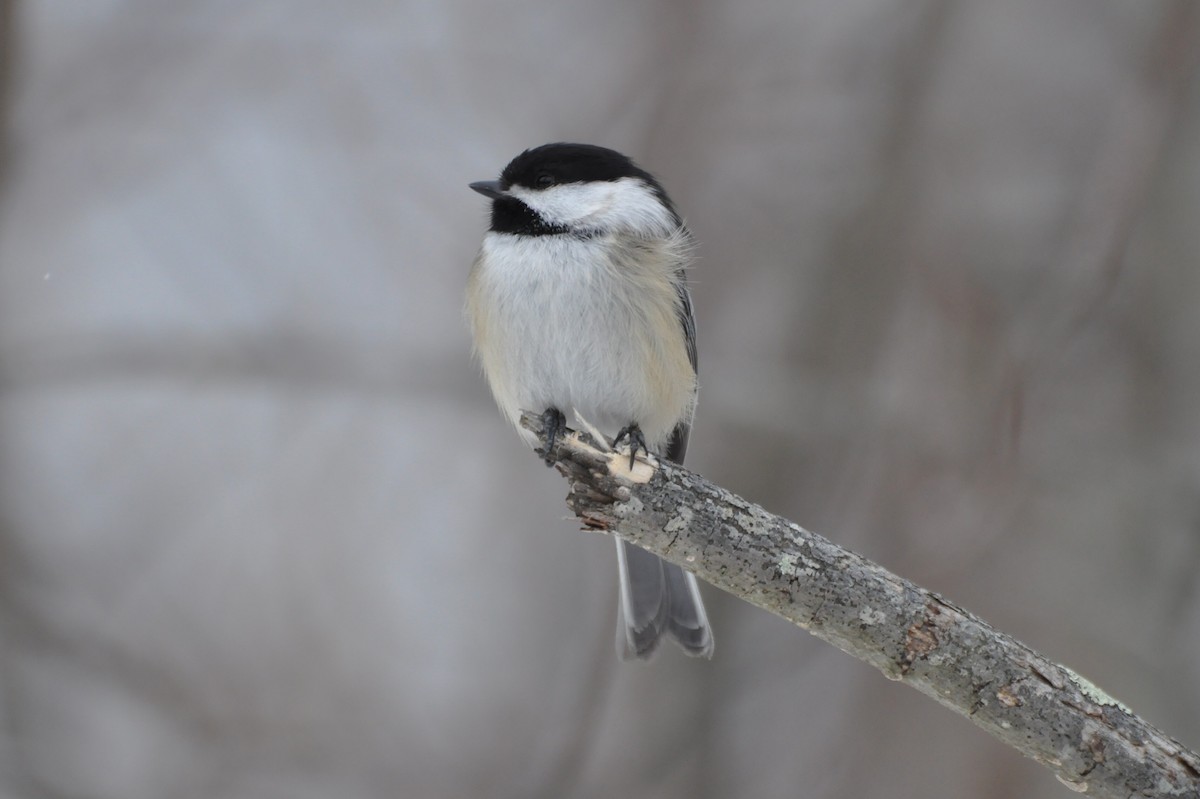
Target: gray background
(262,533)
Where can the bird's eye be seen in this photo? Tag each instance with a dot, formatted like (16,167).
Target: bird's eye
(545,179)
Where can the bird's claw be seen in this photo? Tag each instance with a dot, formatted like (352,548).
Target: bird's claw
(636,441)
(553,423)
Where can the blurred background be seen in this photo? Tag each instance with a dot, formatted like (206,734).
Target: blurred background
(263,534)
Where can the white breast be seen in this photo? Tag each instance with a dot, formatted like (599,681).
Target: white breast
(586,325)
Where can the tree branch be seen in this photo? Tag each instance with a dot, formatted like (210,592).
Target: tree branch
(1045,711)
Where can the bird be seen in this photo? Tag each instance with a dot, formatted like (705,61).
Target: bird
(578,304)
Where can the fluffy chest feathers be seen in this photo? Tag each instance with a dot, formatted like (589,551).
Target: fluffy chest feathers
(588,325)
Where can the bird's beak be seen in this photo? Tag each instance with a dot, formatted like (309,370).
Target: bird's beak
(488,188)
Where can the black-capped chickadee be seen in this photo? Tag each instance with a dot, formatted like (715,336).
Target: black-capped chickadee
(578,304)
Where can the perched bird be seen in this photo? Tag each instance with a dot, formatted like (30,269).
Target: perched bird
(578,304)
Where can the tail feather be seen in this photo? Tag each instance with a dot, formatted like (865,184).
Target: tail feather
(657,599)
(688,623)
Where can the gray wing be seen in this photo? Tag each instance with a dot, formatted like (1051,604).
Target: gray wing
(678,443)
(687,319)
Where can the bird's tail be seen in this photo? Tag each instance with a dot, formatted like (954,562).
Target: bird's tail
(658,598)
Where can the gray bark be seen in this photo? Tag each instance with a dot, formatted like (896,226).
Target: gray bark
(1092,742)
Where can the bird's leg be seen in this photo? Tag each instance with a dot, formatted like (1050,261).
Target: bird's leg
(554,423)
(636,440)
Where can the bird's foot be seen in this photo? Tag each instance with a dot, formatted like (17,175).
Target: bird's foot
(636,441)
(554,423)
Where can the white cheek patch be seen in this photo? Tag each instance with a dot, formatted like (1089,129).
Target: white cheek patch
(625,204)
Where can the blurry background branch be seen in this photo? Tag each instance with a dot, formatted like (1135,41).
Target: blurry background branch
(1093,743)
(8,43)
